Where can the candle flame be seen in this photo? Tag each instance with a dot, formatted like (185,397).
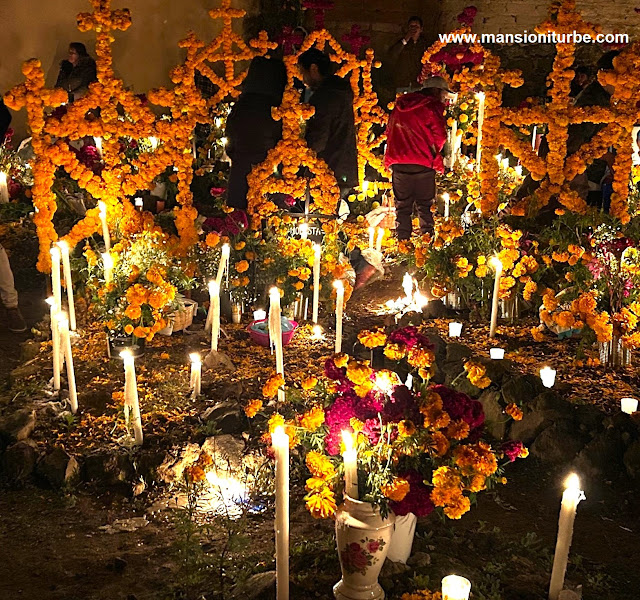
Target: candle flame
(214,288)
(338,284)
(445,196)
(347,440)
(194,357)
(572,482)
(274,291)
(317,331)
(126,354)
(55,252)
(496,263)
(50,301)
(225,249)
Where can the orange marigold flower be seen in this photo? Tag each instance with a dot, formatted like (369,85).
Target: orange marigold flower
(272,385)
(341,360)
(309,383)
(319,465)
(321,504)
(252,409)
(477,374)
(406,428)
(241,266)
(396,490)
(212,239)
(312,419)
(395,351)
(372,339)
(514,411)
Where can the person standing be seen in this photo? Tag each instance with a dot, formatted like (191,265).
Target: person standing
(416,134)
(405,57)
(251,131)
(8,293)
(77,72)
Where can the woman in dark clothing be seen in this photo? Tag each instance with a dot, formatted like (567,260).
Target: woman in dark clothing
(251,130)
(77,72)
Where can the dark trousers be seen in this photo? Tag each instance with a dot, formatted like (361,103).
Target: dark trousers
(414,187)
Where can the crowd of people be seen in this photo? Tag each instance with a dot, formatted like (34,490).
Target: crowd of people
(416,134)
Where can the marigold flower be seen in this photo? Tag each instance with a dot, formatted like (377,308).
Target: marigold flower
(358,373)
(395,351)
(514,411)
(406,428)
(312,419)
(252,409)
(272,385)
(212,239)
(372,339)
(321,504)
(241,266)
(309,383)
(341,360)
(396,490)
(476,374)
(319,465)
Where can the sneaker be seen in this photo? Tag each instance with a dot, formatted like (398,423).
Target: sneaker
(16,320)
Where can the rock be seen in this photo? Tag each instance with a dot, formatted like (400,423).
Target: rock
(457,352)
(558,443)
(18,426)
(19,460)
(58,468)
(419,559)
(29,350)
(589,418)
(521,390)
(530,427)
(632,460)
(410,318)
(495,418)
(173,467)
(108,468)
(435,309)
(260,585)
(125,525)
(226,417)
(390,569)
(602,456)
(550,400)
(439,346)
(117,564)
(217,361)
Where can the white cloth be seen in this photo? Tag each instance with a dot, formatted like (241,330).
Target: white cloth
(8,293)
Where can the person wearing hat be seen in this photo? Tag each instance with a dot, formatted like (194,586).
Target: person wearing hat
(416,134)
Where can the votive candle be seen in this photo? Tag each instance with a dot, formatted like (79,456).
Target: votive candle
(629,405)
(455,587)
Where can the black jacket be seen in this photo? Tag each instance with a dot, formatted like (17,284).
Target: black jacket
(331,132)
(251,130)
(76,79)
(5,120)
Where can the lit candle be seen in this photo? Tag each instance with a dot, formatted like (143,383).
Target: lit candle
(55,277)
(518,170)
(379,239)
(317,251)
(4,190)
(224,263)
(259,315)
(153,141)
(339,285)
(107,263)
(214,311)
(496,353)
(497,265)
(304,231)
(275,333)
(66,268)
(533,138)
(365,187)
(317,332)
(139,204)
(447,201)
(196,374)
(55,341)
(548,376)
(455,329)
(372,233)
(407,286)
(480,123)
(105,227)
(350,457)
(455,587)
(453,144)
(570,499)
(65,338)
(280,444)
(505,164)
(131,405)
(629,405)
(98,142)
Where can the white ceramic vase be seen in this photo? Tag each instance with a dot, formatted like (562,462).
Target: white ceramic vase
(363,538)
(402,538)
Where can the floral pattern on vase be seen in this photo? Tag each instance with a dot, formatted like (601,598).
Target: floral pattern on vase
(358,556)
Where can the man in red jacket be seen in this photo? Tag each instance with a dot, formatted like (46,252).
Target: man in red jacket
(416,134)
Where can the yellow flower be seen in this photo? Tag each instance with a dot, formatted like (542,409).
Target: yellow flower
(358,372)
(273,384)
(252,409)
(321,504)
(319,465)
(514,411)
(476,374)
(396,490)
(312,419)
(276,420)
(309,383)
(340,360)
(372,339)
(406,428)
(394,351)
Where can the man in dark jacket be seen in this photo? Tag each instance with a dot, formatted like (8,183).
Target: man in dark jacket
(416,134)
(405,57)
(251,130)
(77,72)
(331,131)
(8,292)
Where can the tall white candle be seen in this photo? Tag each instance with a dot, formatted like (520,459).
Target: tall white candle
(339,285)
(131,404)
(55,342)
(304,231)
(455,587)
(533,138)
(224,263)
(407,286)
(4,190)
(372,233)
(317,251)
(518,170)
(55,276)
(66,267)
(214,309)
(379,239)
(275,333)
(570,499)
(98,142)
(454,143)
(350,457)
(196,374)
(63,328)
(628,405)
(497,265)
(280,444)
(105,226)
(447,202)
(480,123)
(505,164)
(107,263)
